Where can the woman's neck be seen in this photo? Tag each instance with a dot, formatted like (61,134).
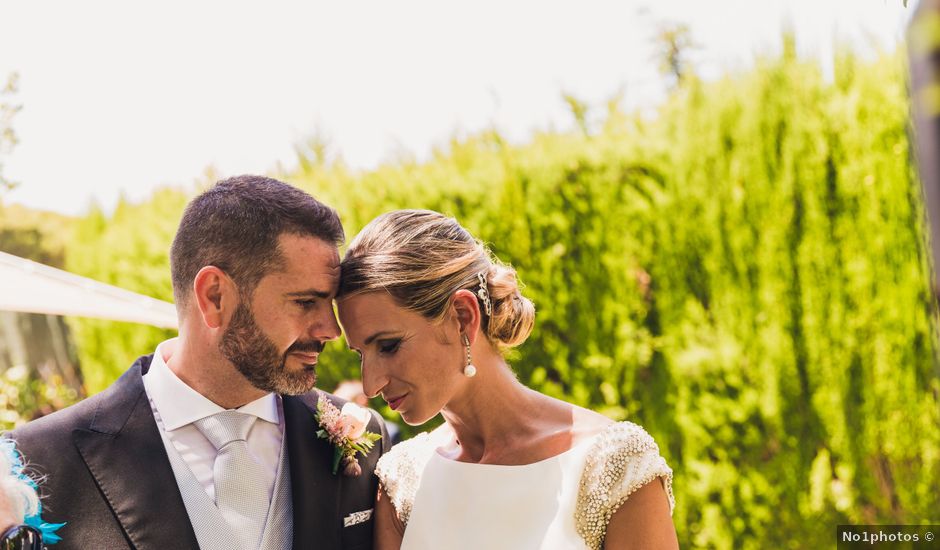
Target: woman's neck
(494,414)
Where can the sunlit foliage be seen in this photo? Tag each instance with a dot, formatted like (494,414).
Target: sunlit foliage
(743,274)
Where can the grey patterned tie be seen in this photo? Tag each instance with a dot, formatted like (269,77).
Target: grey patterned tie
(240,493)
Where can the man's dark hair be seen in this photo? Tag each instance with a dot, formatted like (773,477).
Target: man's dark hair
(236,225)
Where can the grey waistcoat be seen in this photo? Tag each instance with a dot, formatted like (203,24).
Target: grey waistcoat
(212,531)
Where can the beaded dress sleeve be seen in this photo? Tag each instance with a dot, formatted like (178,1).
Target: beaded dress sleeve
(399,472)
(623,459)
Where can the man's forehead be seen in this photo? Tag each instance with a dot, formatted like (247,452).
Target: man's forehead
(306,247)
(305,262)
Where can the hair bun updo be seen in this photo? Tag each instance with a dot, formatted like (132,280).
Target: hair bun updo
(513,314)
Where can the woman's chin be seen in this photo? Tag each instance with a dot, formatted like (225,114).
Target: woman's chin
(413,419)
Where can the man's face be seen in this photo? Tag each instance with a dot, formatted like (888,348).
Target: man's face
(275,336)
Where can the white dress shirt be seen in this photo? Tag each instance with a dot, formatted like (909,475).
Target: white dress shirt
(176,406)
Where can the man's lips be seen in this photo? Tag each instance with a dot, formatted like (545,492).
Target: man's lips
(394,402)
(306,358)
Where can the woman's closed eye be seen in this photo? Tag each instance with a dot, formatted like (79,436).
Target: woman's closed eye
(389,347)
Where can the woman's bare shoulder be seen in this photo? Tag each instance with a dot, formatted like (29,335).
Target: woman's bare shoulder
(586,424)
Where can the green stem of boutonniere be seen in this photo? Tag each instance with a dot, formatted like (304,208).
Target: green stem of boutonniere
(337,458)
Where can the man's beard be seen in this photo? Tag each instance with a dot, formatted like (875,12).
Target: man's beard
(257,357)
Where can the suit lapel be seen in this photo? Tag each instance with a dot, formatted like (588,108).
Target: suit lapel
(314,489)
(123,450)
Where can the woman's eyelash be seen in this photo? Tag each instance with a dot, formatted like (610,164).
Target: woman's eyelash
(389,346)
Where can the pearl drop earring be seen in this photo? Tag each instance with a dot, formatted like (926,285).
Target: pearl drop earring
(469,370)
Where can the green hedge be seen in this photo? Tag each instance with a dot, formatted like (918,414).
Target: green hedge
(744,274)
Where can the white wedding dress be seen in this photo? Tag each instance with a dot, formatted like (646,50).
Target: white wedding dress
(562,502)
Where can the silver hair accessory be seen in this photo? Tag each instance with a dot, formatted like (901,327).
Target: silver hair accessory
(484,294)
(469,370)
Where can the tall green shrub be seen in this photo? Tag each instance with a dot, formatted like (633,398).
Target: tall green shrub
(129,249)
(743,274)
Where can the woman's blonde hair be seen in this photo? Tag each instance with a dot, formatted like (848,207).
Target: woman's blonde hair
(421,258)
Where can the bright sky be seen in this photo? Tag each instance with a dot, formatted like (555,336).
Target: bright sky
(119,97)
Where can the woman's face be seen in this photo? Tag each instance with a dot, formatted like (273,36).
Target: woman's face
(415,365)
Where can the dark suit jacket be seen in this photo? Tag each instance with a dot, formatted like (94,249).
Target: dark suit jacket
(106,473)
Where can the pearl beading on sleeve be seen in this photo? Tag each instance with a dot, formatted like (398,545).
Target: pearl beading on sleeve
(399,472)
(623,459)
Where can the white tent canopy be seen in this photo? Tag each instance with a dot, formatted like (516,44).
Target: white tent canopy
(32,287)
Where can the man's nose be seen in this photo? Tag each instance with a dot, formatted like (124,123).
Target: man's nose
(325,327)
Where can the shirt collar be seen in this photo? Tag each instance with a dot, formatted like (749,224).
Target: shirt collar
(180,405)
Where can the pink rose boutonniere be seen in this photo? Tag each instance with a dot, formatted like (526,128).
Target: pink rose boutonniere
(346,430)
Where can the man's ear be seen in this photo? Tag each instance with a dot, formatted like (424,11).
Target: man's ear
(215,295)
(466,310)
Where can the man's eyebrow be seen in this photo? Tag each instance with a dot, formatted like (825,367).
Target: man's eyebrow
(310,292)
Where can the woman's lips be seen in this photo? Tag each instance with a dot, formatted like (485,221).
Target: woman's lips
(395,402)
